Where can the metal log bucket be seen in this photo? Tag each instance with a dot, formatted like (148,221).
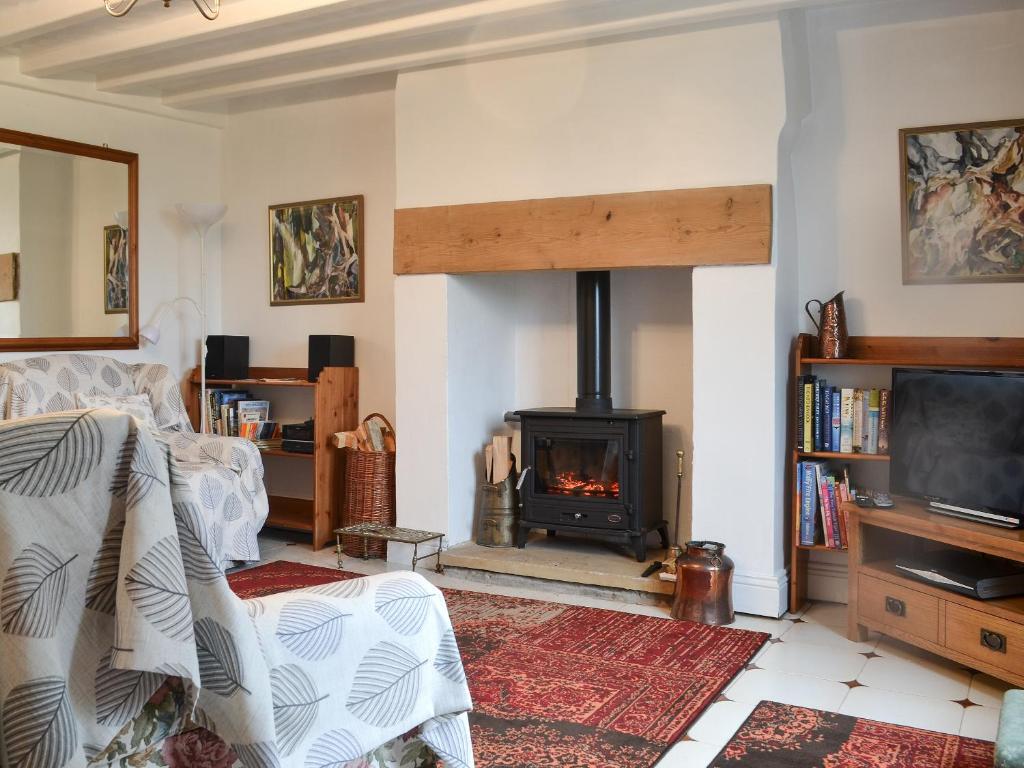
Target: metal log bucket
(499,512)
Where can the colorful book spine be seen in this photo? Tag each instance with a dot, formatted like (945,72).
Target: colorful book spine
(817,415)
(800,412)
(873,416)
(837,422)
(826,418)
(808,502)
(846,421)
(809,416)
(858,420)
(823,505)
(834,512)
(840,517)
(884,418)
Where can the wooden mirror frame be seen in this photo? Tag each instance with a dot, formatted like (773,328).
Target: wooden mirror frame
(131,159)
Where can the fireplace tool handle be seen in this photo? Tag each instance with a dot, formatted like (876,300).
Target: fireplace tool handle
(680,461)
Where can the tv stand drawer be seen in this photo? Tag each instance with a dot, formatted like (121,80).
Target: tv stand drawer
(984,637)
(898,607)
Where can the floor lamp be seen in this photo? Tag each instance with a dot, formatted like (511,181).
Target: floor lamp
(202,216)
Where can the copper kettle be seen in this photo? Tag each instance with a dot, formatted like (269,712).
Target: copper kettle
(703,584)
(833,337)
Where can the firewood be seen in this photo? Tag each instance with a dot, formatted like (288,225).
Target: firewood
(502,457)
(488,462)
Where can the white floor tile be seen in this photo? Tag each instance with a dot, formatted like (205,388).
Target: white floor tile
(934,679)
(903,709)
(987,691)
(757,685)
(689,754)
(774,627)
(720,722)
(832,614)
(813,660)
(980,723)
(830,637)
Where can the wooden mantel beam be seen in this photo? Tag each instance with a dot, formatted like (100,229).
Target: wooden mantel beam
(673,228)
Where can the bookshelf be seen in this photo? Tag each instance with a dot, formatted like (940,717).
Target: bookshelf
(872,352)
(335,408)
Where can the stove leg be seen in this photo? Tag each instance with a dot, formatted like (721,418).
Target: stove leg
(521,535)
(640,548)
(663,533)
(551,532)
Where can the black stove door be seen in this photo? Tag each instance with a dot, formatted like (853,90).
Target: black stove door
(580,473)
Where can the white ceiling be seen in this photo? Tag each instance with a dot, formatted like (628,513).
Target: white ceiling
(260,49)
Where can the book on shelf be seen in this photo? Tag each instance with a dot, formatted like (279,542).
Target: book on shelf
(841,419)
(820,496)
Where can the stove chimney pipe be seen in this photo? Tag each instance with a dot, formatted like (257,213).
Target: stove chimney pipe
(593,341)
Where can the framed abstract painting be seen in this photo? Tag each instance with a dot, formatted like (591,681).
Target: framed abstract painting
(115,270)
(316,251)
(962,203)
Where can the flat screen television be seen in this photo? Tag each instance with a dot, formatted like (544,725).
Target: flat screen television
(957,441)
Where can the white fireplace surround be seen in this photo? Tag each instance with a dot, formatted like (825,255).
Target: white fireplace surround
(459,339)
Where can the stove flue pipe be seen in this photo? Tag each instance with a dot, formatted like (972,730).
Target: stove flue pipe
(593,341)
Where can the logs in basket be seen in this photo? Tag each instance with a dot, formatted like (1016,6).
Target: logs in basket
(368,495)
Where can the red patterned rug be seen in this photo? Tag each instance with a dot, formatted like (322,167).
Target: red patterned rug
(564,686)
(780,736)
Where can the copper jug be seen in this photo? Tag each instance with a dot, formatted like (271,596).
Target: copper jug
(703,584)
(831,324)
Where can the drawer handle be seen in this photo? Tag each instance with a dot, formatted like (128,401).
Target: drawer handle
(993,641)
(895,607)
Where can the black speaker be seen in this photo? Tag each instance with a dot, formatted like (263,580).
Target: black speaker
(330,352)
(227,357)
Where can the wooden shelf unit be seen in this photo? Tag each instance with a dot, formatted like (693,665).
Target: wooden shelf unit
(946,623)
(335,408)
(886,352)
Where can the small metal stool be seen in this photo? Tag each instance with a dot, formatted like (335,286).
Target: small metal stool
(367,531)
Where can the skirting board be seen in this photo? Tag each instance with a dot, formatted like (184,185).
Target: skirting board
(759,594)
(827,582)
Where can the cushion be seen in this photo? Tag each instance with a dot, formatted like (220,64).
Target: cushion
(134,405)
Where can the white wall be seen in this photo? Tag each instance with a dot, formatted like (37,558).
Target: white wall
(10,234)
(667,112)
(331,148)
(873,71)
(178,161)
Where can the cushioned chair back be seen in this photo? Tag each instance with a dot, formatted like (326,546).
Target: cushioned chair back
(49,383)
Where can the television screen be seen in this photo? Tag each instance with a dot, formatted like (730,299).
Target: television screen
(957,437)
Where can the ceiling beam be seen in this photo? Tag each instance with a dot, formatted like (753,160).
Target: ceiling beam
(142,79)
(115,44)
(27,20)
(205,97)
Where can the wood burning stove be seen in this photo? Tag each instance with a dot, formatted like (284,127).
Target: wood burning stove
(593,469)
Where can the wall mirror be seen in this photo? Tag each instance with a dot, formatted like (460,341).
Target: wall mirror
(68,245)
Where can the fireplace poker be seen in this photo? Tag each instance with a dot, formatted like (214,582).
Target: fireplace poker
(680,456)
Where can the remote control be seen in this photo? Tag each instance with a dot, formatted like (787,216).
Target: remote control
(862,500)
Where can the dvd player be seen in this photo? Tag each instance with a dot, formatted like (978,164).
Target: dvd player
(967,573)
(986,516)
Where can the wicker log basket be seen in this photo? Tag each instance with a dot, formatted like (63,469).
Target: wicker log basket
(369,493)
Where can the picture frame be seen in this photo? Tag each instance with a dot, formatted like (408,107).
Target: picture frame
(956,205)
(316,251)
(8,276)
(115,270)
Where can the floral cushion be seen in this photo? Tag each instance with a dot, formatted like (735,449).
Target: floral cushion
(137,406)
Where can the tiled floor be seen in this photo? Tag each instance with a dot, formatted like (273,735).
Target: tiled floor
(808,662)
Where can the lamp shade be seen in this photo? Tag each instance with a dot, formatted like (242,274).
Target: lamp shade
(201,216)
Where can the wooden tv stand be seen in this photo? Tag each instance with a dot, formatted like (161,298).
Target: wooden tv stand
(987,635)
